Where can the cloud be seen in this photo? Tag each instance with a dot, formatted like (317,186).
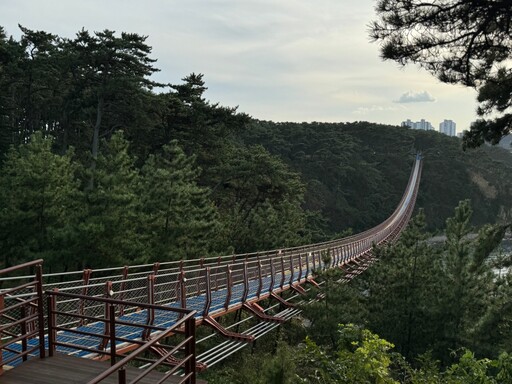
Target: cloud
(415,97)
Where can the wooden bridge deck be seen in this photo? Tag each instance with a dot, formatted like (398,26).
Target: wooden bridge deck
(65,369)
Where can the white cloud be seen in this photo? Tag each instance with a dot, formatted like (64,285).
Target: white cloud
(415,97)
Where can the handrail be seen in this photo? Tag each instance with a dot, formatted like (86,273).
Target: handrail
(187,321)
(19,324)
(187,265)
(236,280)
(115,301)
(21,266)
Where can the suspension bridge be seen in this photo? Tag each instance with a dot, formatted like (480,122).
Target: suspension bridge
(138,323)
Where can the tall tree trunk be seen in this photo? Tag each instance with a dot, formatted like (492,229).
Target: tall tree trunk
(96,139)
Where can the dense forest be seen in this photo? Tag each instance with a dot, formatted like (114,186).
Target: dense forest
(102,166)
(425,313)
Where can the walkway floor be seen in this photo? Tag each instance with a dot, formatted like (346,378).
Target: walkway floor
(64,369)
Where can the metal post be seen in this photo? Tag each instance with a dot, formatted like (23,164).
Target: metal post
(190,350)
(300,266)
(308,254)
(150,311)
(112,323)
(217,275)
(183,292)
(292,271)
(2,307)
(282,271)
(85,278)
(52,322)
(229,283)
(156,266)
(121,376)
(23,329)
(122,290)
(260,285)
(272,276)
(208,301)
(246,283)
(40,309)
(106,327)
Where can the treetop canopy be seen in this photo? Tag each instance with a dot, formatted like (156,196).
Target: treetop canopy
(458,41)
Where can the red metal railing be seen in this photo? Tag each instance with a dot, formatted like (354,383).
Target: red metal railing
(167,356)
(22,315)
(238,280)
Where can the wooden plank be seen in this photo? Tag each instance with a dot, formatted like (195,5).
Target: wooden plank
(64,369)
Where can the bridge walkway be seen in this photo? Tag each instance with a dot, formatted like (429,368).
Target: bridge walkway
(65,369)
(106,314)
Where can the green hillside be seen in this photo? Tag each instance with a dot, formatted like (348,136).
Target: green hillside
(100,169)
(356,172)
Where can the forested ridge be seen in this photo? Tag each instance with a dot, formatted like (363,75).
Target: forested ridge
(101,166)
(355,172)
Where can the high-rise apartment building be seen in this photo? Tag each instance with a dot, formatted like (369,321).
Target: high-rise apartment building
(447,127)
(422,124)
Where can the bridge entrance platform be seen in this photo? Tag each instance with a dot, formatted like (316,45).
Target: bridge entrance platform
(65,369)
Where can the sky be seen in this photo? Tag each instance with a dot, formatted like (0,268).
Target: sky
(280,60)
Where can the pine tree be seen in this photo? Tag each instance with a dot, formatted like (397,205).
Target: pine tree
(472,301)
(41,205)
(112,230)
(399,288)
(181,220)
(260,199)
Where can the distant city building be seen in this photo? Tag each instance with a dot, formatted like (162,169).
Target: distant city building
(422,124)
(407,123)
(447,127)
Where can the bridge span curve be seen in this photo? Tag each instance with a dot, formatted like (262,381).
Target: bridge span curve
(115,313)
